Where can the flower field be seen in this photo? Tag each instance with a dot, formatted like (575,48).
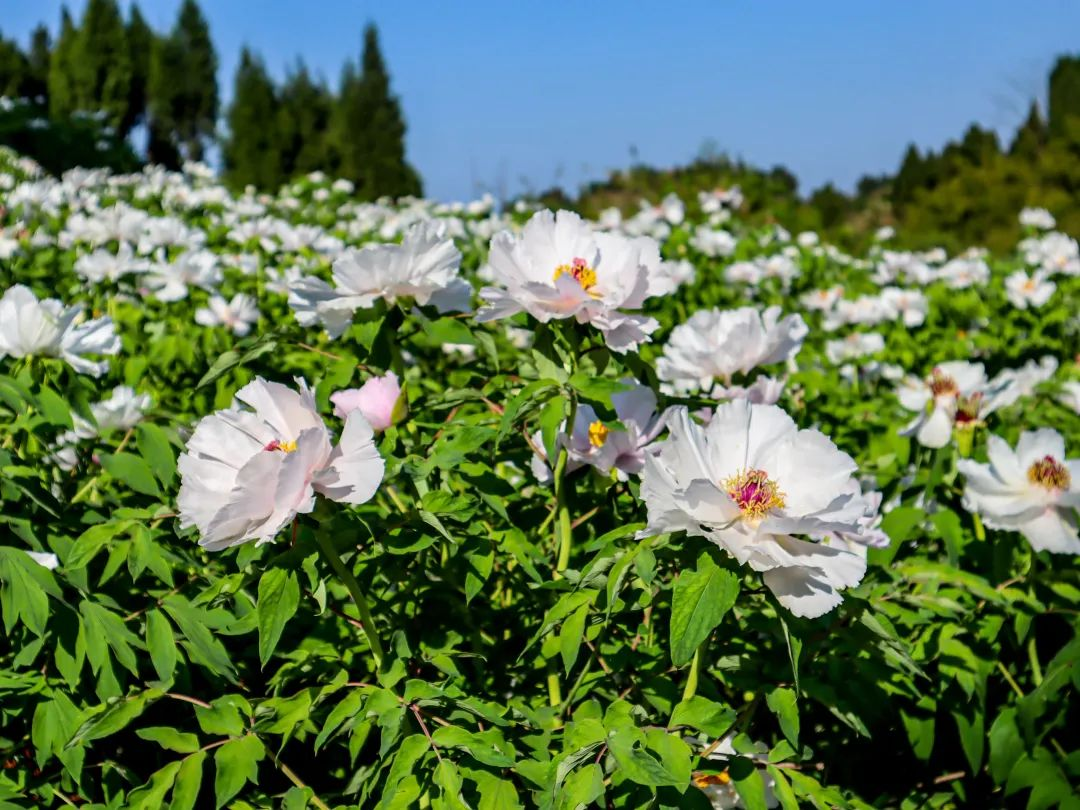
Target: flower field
(306,502)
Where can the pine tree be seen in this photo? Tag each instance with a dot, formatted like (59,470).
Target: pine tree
(36,81)
(140,46)
(182,86)
(1031,136)
(13,68)
(910,177)
(1064,96)
(304,119)
(199,80)
(61,84)
(101,63)
(252,153)
(369,130)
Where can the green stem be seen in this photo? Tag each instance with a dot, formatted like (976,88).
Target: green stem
(367,621)
(980,532)
(563,531)
(695,673)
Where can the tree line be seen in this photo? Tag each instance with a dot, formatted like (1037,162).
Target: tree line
(967,192)
(165,85)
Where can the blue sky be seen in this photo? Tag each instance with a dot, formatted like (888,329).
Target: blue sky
(524,95)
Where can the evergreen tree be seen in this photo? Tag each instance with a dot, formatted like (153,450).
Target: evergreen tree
(182,86)
(1031,136)
(909,178)
(1064,96)
(36,81)
(369,130)
(61,84)
(252,153)
(304,119)
(13,68)
(140,45)
(101,63)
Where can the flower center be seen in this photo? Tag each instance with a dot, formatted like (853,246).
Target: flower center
(1049,473)
(755,493)
(942,384)
(580,271)
(597,434)
(284,447)
(967,410)
(1029,285)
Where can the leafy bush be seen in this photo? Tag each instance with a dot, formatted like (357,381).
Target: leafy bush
(471,635)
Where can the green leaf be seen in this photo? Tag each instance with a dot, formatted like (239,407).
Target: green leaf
(1006,745)
(223,716)
(972,738)
(571,636)
(117,715)
(704,715)
(54,408)
(161,644)
(170,739)
(236,763)
(133,471)
(188,781)
(783,703)
(700,601)
(154,446)
(279,596)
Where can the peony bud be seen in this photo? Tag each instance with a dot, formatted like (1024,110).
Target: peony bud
(380,400)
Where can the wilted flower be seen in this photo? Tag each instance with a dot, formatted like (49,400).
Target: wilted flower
(423,268)
(750,482)
(247,473)
(715,344)
(1033,490)
(379,400)
(720,787)
(560,268)
(48,328)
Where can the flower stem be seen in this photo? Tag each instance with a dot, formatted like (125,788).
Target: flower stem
(366,619)
(563,531)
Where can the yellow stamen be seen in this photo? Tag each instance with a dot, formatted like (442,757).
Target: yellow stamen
(1049,473)
(598,434)
(755,493)
(580,271)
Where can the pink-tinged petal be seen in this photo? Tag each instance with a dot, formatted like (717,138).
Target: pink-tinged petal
(355,469)
(376,400)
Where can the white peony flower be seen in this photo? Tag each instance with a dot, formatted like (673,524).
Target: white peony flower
(32,327)
(424,268)
(910,306)
(822,300)
(1033,490)
(750,482)
(854,346)
(238,314)
(1025,291)
(715,344)
(712,242)
(104,265)
(560,268)
(1037,218)
(957,394)
(1070,395)
(247,473)
(169,282)
(594,444)
(762,391)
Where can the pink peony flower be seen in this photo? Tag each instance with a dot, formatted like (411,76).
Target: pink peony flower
(379,400)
